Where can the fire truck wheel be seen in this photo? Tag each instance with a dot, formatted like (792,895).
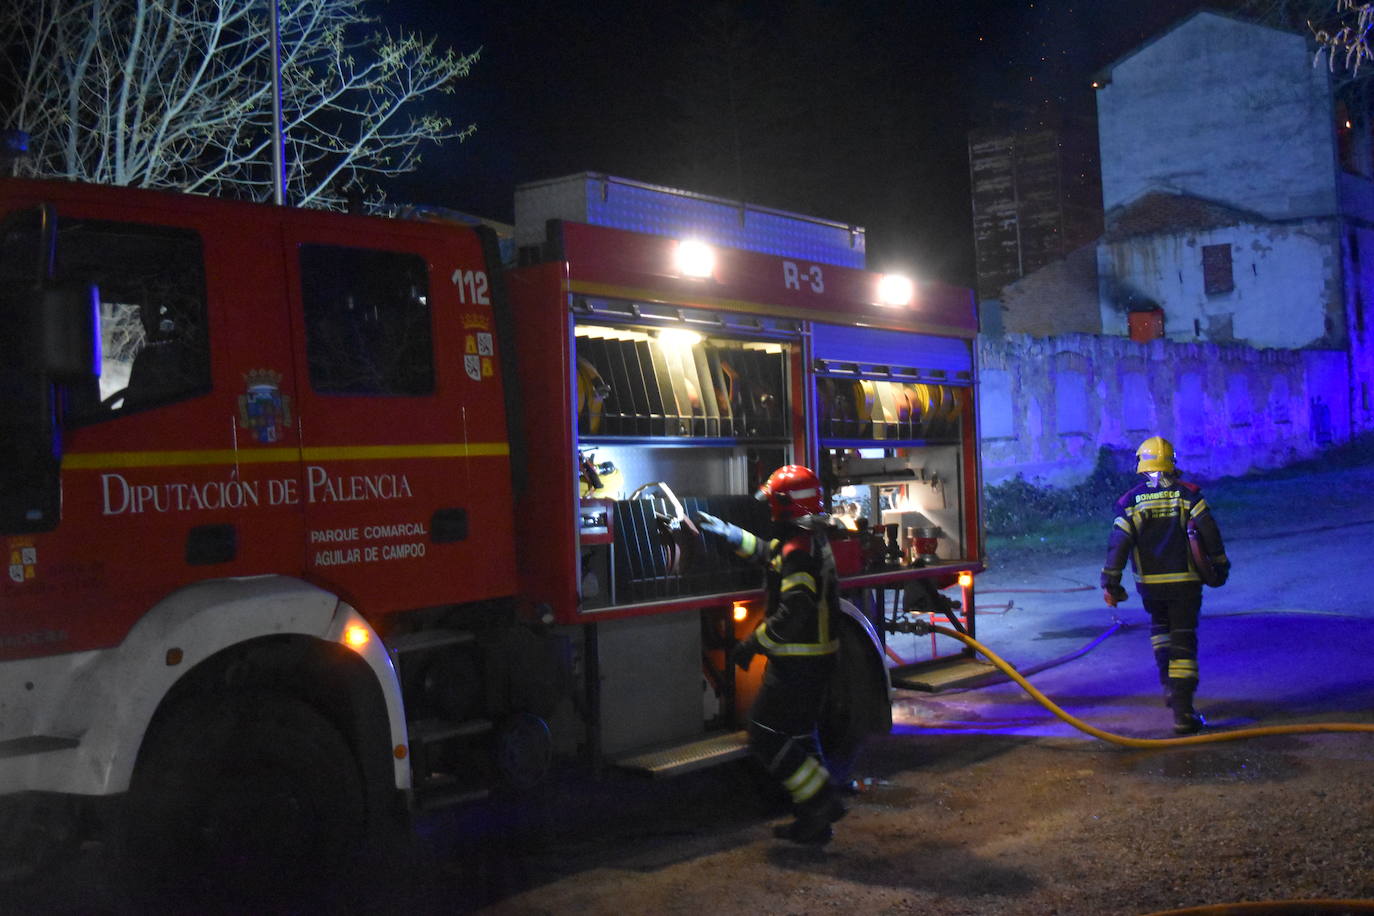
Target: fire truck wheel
(37,831)
(524,750)
(244,797)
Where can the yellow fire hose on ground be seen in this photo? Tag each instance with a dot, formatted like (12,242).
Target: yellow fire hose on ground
(922,627)
(1275,908)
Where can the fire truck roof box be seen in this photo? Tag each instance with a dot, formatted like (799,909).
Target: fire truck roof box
(603,200)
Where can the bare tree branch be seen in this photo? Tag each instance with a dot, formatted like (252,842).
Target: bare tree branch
(177,94)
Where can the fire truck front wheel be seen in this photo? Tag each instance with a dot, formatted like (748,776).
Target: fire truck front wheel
(247,796)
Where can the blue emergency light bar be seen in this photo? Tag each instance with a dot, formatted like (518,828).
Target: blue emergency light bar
(619,203)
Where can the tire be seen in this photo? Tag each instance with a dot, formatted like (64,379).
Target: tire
(524,751)
(37,832)
(241,798)
(855,706)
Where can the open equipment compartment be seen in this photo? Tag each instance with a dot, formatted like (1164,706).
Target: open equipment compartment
(673,420)
(895,424)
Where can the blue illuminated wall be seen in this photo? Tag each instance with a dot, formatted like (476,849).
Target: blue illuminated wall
(1049,403)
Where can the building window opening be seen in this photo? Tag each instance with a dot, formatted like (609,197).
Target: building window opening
(1216,269)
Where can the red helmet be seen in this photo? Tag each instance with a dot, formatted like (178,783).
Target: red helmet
(792,492)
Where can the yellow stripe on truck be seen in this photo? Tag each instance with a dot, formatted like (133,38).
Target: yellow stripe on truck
(89,461)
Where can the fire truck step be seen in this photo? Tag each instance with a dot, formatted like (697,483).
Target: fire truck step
(686,757)
(942,674)
(438,794)
(427,639)
(430,731)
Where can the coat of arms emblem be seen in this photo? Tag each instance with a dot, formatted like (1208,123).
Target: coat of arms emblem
(263,409)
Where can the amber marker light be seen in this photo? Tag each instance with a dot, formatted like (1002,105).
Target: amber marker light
(965,579)
(356,636)
(741,611)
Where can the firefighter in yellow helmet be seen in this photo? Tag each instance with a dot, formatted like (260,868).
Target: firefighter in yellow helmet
(798,637)
(1166,528)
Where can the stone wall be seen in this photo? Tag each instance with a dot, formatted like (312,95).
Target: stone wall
(1049,403)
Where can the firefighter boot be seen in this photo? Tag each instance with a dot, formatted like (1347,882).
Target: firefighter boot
(1187,721)
(814,817)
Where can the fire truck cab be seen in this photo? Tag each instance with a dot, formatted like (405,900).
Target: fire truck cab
(344,510)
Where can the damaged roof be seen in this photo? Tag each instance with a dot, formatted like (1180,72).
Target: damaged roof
(1159,212)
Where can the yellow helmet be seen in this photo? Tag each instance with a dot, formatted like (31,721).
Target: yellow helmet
(1156,454)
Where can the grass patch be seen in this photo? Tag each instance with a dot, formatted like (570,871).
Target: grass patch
(1024,517)
(1030,520)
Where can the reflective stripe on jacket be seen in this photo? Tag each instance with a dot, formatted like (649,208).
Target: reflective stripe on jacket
(803,593)
(1151,527)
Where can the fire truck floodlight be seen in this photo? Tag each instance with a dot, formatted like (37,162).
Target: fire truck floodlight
(895,290)
(695,258)
(679,338)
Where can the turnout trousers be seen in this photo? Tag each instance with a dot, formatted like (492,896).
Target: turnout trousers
(1173,637)
(783,720)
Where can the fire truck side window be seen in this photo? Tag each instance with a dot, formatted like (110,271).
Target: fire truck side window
(367,321)
(154,343)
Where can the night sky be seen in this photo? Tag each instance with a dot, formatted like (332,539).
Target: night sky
(860,110)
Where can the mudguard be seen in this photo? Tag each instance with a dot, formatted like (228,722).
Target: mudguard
(90,717)
(859,702)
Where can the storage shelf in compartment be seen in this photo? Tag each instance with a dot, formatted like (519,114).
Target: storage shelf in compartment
(675,427)
(752,592)
(874,577)
(607,441)
(885,443)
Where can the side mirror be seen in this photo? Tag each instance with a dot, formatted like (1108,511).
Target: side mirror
(68,345)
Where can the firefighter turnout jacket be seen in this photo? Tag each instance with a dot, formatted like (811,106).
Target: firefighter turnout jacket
(1151,527)
(803,592)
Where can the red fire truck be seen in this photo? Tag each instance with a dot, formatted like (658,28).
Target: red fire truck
(312,519)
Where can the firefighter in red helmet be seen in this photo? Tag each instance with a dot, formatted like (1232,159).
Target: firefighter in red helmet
(798,636)
(1164,525)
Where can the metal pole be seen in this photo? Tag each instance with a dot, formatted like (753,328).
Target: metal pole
(278,140)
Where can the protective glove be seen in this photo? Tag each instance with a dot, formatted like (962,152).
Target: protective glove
(1113,595)
(744,651)
(731,534)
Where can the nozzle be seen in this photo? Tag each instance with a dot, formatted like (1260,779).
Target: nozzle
(913,623)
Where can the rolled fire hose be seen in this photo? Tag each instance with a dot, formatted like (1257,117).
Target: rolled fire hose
(921,627)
